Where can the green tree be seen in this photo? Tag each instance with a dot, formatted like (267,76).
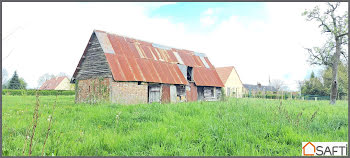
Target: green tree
(342,79)
(313,86)
(23,83)
(312,74)
(14,82)
(329,54)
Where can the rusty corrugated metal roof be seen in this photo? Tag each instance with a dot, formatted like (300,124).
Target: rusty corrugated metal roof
(136,60)
(203,76)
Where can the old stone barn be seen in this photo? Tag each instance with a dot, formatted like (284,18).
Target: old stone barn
(123,70)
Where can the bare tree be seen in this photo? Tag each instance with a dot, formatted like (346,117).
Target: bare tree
(300,84)
(63,74)
(4,75)
(329,54)
(277,84)
(44,78)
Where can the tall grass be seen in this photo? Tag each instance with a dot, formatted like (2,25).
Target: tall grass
(49,128)
(236,127)
(35,122)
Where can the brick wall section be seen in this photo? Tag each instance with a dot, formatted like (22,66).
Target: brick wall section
(129,93)
(93,90)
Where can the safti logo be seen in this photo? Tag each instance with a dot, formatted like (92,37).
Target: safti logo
(324,148)
(309,149)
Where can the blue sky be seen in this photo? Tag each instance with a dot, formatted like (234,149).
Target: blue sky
(190,13)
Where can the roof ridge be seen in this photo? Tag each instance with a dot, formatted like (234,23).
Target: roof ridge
(172,47)
(225,67)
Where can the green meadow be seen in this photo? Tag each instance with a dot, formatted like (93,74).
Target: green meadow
(236,127)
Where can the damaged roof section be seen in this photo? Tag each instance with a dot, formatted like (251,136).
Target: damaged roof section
(136,60)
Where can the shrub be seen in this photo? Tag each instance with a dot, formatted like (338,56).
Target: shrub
(41,92)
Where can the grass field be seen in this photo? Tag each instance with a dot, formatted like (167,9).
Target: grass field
(238,127)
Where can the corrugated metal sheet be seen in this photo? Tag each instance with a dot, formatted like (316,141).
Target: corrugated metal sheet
(200,54)
(135,60)
(105,42)
(204,62)
(192,94)
(187,58)
(209,63)
(165,94)
(178,58)
(183,69)
(161,46)
(206,77)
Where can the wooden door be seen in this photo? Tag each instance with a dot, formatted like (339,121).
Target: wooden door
(153,93)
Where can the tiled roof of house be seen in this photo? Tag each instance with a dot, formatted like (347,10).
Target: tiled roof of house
(52,83)
(224,73)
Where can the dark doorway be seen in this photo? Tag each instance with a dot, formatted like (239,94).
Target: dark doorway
(190,73)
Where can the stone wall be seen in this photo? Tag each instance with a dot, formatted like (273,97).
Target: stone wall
(129,92)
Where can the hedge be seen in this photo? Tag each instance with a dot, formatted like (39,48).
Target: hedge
(33,92)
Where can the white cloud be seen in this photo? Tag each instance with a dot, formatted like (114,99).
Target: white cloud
(209,11)
(259,49)
(54,36)
(207,20)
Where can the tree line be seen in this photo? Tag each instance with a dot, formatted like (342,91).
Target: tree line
(16,82)
(321,84)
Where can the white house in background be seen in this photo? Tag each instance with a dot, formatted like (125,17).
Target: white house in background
(57,83)
(233,85)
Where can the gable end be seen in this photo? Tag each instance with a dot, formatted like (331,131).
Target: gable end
(93,63)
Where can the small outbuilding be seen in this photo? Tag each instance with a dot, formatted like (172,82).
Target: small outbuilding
(57,83)
(233,86)
(124,70)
